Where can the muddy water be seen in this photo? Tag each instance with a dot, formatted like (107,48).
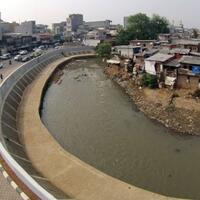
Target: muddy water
(93,118)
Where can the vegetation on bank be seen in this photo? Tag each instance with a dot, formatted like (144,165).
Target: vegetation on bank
(104,49)
(150,81)
(142,27)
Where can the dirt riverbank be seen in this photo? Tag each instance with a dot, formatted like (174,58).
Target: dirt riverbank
(175,109)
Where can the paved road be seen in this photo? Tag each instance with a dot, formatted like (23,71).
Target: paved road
(7,192)
(7,69)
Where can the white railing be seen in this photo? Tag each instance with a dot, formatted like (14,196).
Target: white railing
(5,88)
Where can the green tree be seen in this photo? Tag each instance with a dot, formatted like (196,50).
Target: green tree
(158,25)
(124,37)
(142,27)
(138,26)
(195,33)
(104,50)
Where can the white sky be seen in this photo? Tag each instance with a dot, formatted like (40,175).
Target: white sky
(51,11)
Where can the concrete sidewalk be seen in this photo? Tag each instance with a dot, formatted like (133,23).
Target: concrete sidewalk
(7,192)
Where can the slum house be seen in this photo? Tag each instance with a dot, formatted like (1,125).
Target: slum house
(154,64)
(189,72)
(127,51)
(170,72)
(143,43)
(141,56)
(192,44)
(179,52)
(164,37)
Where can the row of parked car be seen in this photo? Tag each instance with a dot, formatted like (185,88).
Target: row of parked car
(23,56)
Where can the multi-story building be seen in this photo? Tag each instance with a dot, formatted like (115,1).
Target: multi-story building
(26,28)
(5,27)
(41,28)
(74,21)
(99,24)
(59,28)
(126,22)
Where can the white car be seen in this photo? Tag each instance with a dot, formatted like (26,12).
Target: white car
(18,58)
(5,56)
(1,65)
(25,52)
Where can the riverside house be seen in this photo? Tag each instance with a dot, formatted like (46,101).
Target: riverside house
(154,64)
(189,72)
(192,44)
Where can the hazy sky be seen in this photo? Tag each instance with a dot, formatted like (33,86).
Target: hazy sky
(50,11)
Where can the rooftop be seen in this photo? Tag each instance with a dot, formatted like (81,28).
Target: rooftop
(192,60)
(180,51)
(187,42)
(173,63)
(159,57)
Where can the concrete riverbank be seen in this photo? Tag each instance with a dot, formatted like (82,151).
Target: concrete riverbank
(68,173)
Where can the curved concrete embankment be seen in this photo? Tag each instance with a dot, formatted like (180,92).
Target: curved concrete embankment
(12,151)
(64,170)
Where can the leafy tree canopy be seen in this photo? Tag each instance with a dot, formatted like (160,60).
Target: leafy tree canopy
(142,27)
(195,33)
(104,50)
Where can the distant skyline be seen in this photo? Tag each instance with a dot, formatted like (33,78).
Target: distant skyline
(52,11)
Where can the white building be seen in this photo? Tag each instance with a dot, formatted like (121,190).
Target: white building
(91,42)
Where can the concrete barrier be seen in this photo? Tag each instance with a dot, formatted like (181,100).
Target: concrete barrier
(11,148)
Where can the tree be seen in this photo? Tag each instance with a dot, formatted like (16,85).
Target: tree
(142,27)
(124,37)
(158,25)
(104,50)
(195,33)
(138,26)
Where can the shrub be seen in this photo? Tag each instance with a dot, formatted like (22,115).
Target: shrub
(150,81)
(175,95)
(196,93)
(104,50)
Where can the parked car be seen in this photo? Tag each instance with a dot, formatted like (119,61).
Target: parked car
(1,65)
(24,52)
(18,58)
(42,47)
(38,52)
(26,59)
(35,49)
(5,56)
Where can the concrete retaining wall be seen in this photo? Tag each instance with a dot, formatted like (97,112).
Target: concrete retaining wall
(11,148)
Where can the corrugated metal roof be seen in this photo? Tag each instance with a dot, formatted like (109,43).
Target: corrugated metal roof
(193,60)
(159,57)
(180,51)
(173,63)
(186,42)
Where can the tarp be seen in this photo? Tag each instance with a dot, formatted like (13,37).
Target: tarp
(170,81)
(196,69)
(150,67)
(112,61)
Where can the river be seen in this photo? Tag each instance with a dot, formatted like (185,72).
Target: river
(95,120)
